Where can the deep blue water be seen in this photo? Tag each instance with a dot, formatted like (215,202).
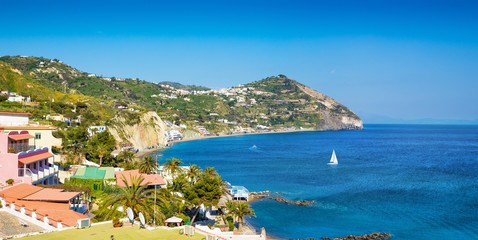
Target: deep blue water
(413,181)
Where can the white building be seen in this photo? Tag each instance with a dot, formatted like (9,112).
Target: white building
(96,129)
(13,118)
(14,97)
(173,135)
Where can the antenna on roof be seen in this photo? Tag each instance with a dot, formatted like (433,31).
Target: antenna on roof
(141,220)
(129,211)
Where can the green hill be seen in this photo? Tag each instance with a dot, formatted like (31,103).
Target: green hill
(46,100)
(272,103)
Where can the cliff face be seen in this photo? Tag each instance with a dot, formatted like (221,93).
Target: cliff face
(146,132)
(334,116)
(291,103)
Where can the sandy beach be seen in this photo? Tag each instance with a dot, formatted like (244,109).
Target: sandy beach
(144,152)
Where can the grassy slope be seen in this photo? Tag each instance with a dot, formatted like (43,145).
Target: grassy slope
(12,81)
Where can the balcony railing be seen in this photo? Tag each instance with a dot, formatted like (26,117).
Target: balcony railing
(78,207)
(38,174)
(16,148)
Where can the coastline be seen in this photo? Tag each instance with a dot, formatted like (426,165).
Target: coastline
(144,152)
(242,134)
(248,227)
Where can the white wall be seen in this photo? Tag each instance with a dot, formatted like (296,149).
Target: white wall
(13,120)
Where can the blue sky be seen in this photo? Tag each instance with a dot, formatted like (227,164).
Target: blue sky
(397,59)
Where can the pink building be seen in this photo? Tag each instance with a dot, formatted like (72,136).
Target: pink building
(22,163)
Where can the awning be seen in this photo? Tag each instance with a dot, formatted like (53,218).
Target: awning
(35,158)
(173,220)
(18,137)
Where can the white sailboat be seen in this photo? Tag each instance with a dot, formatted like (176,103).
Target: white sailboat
(333,159)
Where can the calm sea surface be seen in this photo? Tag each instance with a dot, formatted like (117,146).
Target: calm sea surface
(413,181)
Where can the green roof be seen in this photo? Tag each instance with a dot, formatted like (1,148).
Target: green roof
(95,173)
(109,172)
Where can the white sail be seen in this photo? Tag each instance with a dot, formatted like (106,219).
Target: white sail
(333,159)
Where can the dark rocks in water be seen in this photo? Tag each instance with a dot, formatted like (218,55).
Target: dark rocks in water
(278,198)
(259,195)
(371,236)
(292,202)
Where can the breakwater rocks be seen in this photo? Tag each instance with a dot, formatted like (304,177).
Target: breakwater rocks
(371,236)
(278,198)
(259,195)
(292,202)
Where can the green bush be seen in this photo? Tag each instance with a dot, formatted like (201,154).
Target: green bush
(230,223)
(185,218)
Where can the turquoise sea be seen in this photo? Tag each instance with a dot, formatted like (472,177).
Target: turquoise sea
(413,181)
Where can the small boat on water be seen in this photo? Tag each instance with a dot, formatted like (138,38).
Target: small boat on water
(333,159)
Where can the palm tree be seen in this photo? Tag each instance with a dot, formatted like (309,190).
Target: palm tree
(193,173)
(102,150)
(172,166)
(210,172)
(134,195)
(240,210)
(126,156)
(148,165)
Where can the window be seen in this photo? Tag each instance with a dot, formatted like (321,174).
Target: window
(38,136)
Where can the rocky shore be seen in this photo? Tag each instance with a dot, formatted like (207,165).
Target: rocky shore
(371,236)
(278,198)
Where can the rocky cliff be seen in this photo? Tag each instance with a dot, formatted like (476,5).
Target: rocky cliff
(290,103)
(334,116)
(144,131)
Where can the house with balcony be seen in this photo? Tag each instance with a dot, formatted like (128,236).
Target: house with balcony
(239,193)
(23,163)
(43,135)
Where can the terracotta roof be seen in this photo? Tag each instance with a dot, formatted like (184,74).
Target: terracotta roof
(35,158)
(29,127)
(55,211)
(52,195)
(28,195)
(16,113)
(19,191)
(149,179)
(17,137)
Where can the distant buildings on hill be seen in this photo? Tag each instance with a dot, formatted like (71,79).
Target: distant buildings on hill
(14,97)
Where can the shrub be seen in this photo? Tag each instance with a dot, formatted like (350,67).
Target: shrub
(230,223)
(185,218)
(117,222)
